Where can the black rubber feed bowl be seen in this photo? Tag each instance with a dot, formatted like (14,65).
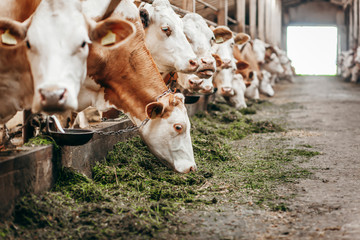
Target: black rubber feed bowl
(72,137)
(191,99)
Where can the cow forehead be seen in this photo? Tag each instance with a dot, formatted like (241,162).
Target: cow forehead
(53,21)
(196,26)
(225,50)
(165,15)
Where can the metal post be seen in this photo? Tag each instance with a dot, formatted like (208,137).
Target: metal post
(240,14)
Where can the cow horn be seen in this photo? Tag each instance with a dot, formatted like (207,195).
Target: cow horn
(111,8)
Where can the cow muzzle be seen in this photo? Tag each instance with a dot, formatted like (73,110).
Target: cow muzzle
(206,68)
(227,91)
(53,99)
(207,89)
(192,66)
(195,83)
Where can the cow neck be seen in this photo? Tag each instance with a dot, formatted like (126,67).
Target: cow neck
(128,75)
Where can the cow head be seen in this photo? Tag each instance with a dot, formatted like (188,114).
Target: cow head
(259,50)
(166,40)
(167,134)
(201,38)
(225,73)
(252,91)
(238,100)
(56,38)
(272,64)
(265,84)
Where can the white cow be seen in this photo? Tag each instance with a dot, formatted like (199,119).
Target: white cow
(201,39)
(259,48)
(286,64)
(265,84)
(165,38)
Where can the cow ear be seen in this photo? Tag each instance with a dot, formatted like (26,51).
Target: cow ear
(145,17)
(241,65)
(218,60)
(222,34)
(242,38)
(154,109)
(112,31)
(12,33)
(179,96)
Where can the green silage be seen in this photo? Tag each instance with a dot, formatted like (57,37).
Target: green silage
(132,194)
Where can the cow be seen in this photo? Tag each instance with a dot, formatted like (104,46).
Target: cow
(56,40)
(356,68)
(124,75)
(230,84)
(201,39)
(252,74)
(259,48)
(50,50)
(16,84)
(165,39)
(346,62)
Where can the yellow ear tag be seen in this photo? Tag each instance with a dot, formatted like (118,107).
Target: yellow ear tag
(7,38)
(219,40)
(108,39)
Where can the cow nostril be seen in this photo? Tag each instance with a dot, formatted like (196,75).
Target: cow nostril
(192,169)
(193,63)
(226,89)
(62,95)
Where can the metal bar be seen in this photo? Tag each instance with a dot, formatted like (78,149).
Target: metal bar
(183,12)
(208,5)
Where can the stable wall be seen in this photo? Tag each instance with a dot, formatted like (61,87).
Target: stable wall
(316,13)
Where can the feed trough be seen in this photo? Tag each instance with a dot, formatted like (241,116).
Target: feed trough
(191,99)
(72,137)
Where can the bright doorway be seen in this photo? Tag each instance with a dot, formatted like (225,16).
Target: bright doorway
(313,49)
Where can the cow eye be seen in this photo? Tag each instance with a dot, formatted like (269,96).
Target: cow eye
(83,44)
(166,30)
(28,45)
(178,128)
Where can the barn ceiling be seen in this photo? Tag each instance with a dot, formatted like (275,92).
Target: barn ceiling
(210,13)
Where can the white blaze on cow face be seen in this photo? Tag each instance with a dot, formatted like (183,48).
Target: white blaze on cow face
(357,55)
(223,81)
(238,100)
(273,65)
(265,84)
(167,134)
(224,75)
(166,40)
(259,50)
(252,91)
(57,42)
(200,37)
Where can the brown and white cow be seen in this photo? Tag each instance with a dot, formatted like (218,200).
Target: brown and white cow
(16,85)
(45,55)
(230,85)
(125,76)
(56,39)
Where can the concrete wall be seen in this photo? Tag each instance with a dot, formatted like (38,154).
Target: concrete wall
(316,13)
